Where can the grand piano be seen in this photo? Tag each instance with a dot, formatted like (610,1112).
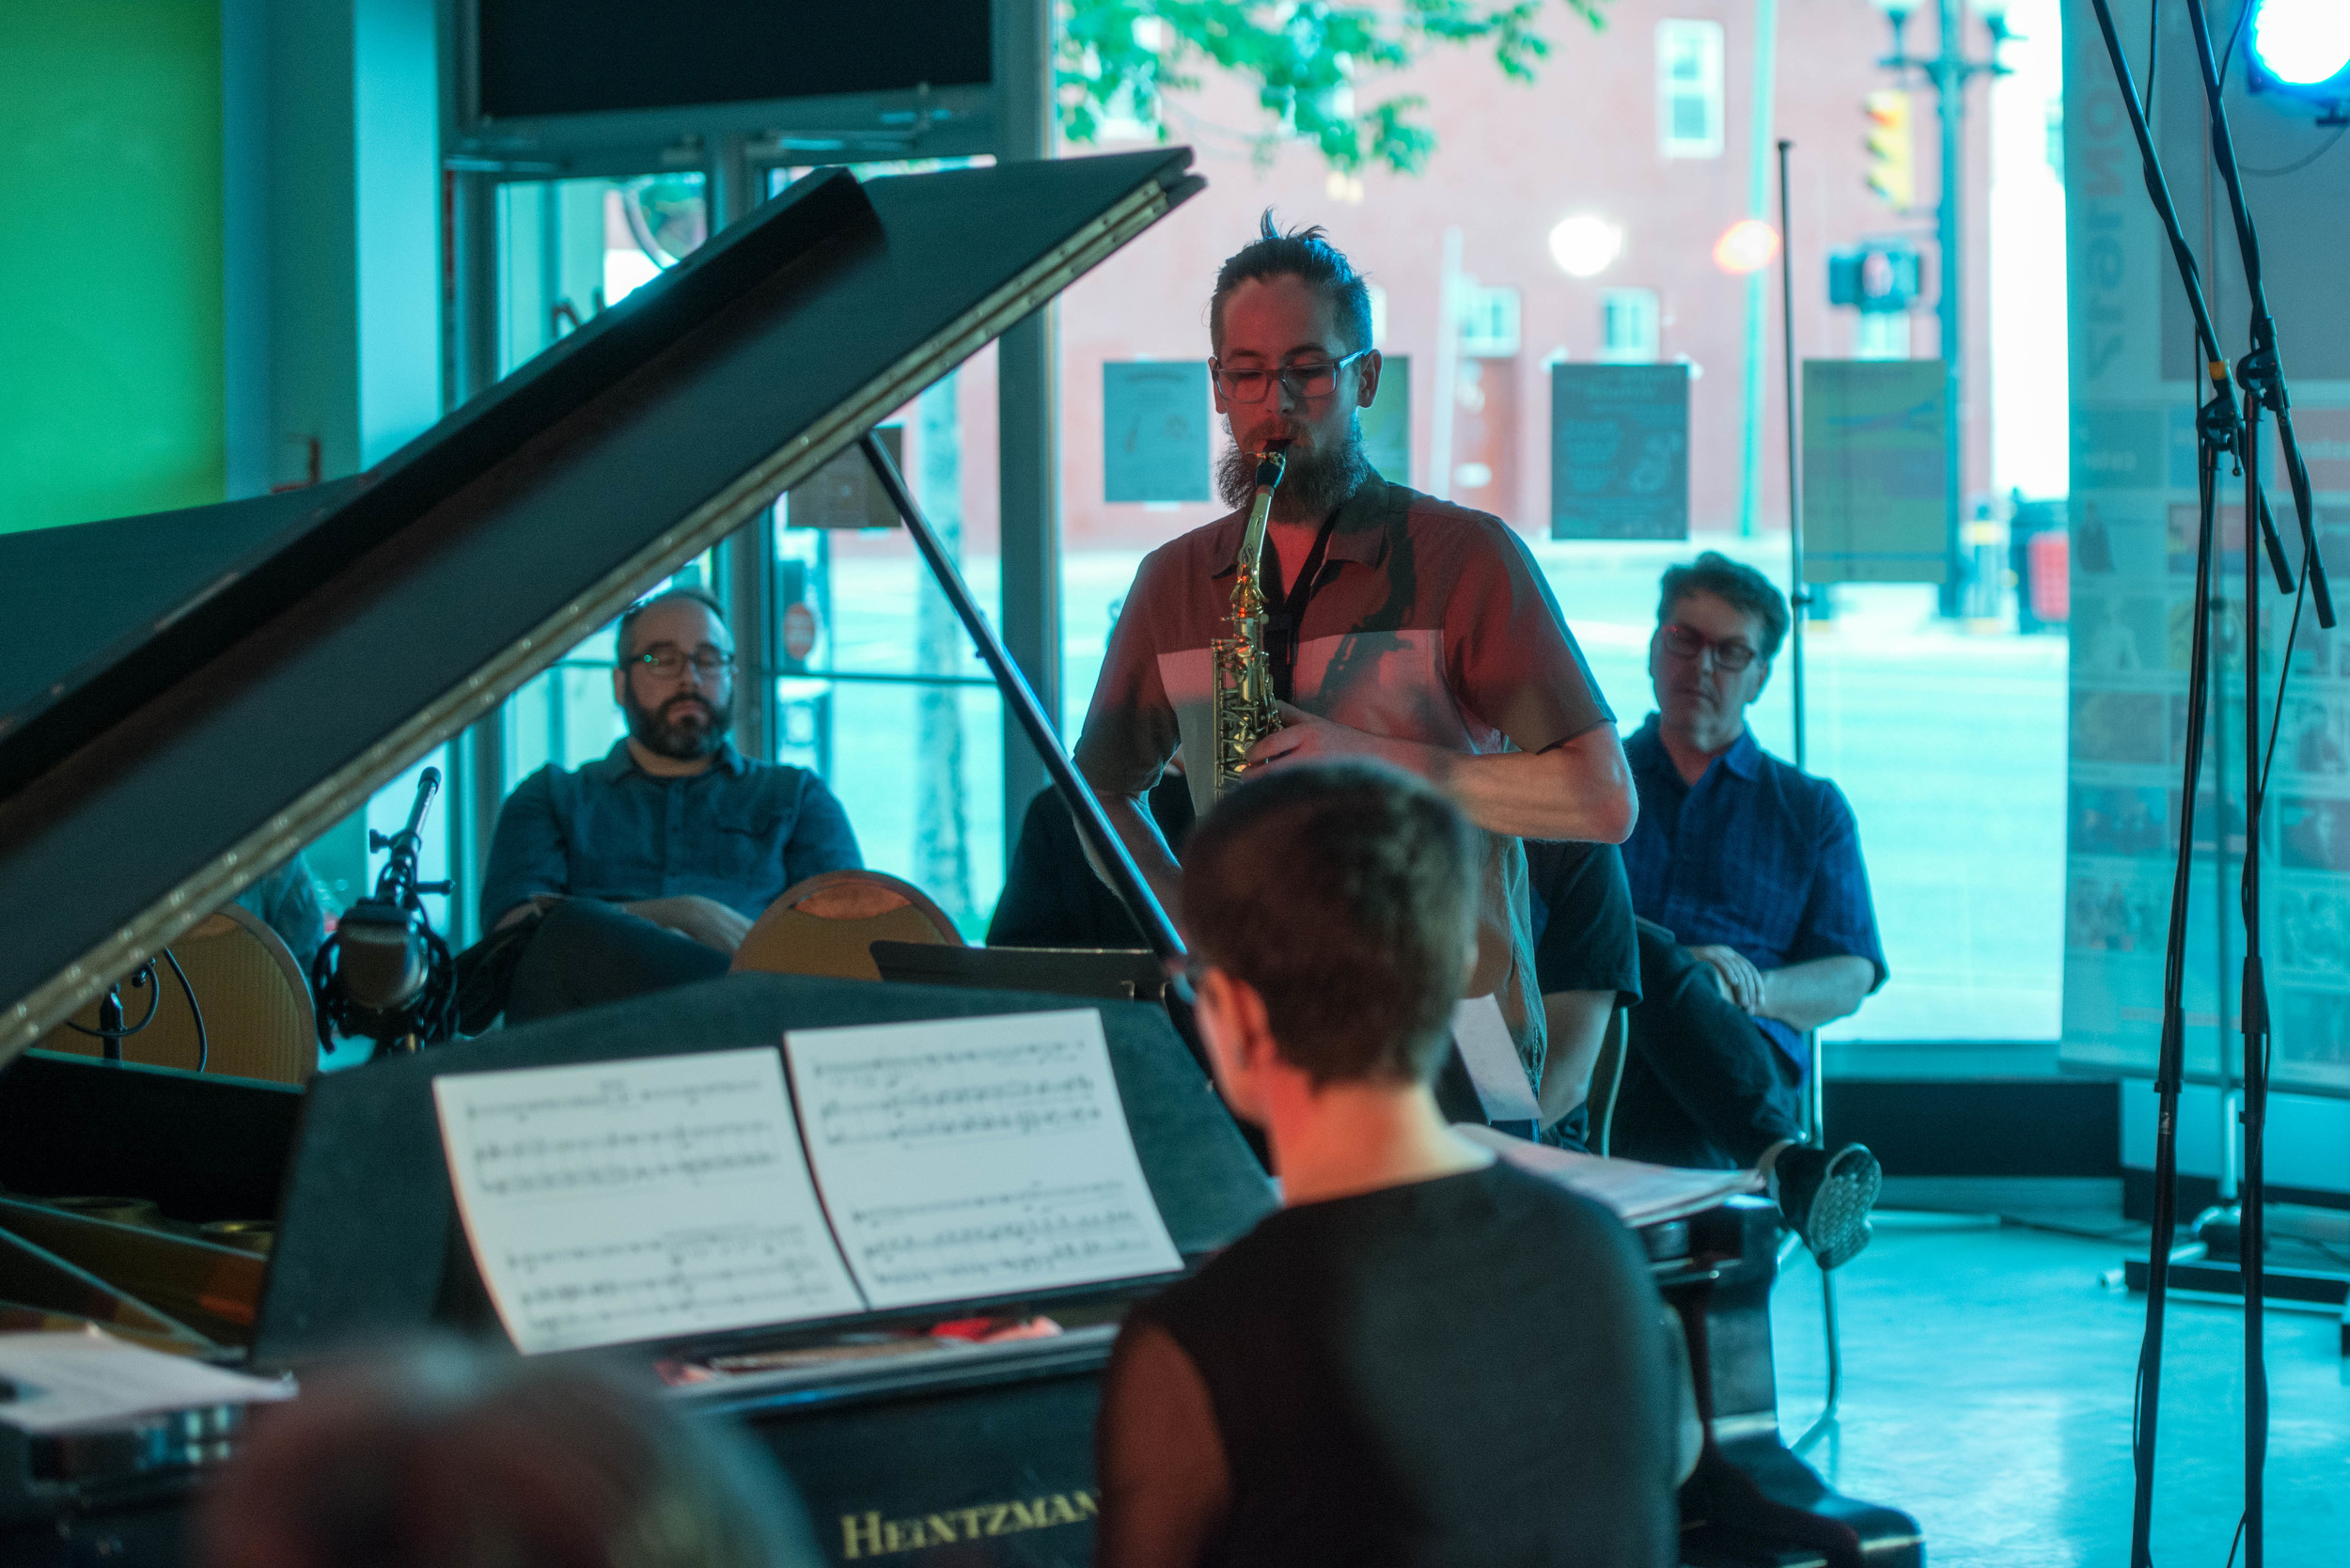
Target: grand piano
(164,743)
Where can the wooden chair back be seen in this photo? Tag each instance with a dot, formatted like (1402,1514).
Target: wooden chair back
(258,1022)
(828,924)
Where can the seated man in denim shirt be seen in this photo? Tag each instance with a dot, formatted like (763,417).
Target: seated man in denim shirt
(1753,868)
(645,869)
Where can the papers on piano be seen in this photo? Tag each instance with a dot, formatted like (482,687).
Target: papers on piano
(976,1158)
(671,1196)
(55,1383)
(633,1200)
(1640,1194)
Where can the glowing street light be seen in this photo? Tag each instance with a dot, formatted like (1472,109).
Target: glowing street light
(2302,42)
(1585,244)
(1748,246)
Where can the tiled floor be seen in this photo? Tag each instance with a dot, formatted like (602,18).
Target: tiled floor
(1987,1391)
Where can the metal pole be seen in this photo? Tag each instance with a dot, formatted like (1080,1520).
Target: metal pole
(1949,72)
(746,560)
(1028,474)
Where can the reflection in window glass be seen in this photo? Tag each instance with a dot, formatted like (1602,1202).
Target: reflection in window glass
(1947,734)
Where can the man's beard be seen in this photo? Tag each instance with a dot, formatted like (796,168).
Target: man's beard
(1314,485)
(686,728)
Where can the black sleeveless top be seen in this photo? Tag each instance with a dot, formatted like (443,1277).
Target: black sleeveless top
(1465,1371)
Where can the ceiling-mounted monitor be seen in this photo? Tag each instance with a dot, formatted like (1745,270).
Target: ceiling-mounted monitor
(581,74)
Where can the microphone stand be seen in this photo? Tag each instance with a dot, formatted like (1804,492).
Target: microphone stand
(2262,378)
(2221,434)
(1799,603)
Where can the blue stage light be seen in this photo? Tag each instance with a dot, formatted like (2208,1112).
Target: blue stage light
(2301,42)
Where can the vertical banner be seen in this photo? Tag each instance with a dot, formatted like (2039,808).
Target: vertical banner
(1874,433)
(1154,431)
(1620,451)
(1387,422)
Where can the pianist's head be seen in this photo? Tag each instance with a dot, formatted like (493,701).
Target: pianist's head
(675,680)
(1333,909)
(442,1457)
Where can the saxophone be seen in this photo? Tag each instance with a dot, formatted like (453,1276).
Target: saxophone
(1245,711)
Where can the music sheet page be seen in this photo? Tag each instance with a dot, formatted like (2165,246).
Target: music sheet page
(969,1157)
(639,1199)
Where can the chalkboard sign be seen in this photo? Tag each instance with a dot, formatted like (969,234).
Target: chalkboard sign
(1154,431)
(1620,451)
(1874,443)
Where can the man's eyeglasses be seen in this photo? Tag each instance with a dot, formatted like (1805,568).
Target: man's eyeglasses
(1317,379)
(1682,643)
(668,663)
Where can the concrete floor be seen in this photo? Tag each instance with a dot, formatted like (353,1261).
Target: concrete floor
(1987,1391)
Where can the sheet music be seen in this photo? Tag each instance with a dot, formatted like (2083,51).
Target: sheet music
(639,1199)
(1482,1036)
(969,1157)
(1640,1194)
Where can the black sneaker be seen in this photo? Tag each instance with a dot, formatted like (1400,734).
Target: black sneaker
(1825,1197)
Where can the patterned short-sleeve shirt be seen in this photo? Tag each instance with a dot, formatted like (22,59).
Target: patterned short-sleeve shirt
(1427,623)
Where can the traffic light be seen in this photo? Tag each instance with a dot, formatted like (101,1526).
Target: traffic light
(1880,279)
(1892,163)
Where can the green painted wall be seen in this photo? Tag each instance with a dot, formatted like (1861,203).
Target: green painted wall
(111,310)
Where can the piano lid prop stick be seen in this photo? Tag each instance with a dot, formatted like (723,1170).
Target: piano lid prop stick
(1093,825)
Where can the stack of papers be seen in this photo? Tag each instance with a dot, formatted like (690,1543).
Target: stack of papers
(1640,1194)
(56,1383)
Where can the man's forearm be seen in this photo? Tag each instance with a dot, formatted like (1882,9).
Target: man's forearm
(1806,995)
(1580,790)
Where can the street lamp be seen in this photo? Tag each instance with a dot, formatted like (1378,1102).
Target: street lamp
(1948,71)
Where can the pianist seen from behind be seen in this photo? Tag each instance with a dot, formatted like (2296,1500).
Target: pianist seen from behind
(1426,1356)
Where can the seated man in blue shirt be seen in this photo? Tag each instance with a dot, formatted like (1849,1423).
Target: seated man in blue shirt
(1753,868)
(645,869)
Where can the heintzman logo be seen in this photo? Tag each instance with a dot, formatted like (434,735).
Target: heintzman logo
(867,1534)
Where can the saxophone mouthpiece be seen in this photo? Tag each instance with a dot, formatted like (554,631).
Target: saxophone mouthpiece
(1271,464)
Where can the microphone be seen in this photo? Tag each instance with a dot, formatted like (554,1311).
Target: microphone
(385,974)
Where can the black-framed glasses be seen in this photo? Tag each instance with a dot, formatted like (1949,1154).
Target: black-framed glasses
(1683,643)
(1316,379)
(670,663)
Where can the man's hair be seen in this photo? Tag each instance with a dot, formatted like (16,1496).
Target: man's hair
(1345,893)
(1739,586)
(623,643)
(1303,253)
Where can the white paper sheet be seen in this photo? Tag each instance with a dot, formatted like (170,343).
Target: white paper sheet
(1640,1194)
(639,1199)
(1483,1036)
(92,1380)
(971,1157)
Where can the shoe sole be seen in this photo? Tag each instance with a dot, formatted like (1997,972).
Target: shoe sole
(1838,1227)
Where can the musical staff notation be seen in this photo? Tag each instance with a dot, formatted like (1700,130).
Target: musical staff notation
(976,1156)
(639,1199)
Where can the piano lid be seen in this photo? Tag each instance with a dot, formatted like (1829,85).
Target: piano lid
(179,737)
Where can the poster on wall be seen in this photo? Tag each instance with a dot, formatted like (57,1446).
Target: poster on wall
(1618,452)
(1386,424)
(1154,431)
(1876,434)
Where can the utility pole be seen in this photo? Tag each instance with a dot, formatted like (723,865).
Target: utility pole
(1949,71)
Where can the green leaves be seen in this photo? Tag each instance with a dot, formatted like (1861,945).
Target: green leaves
(1117,60)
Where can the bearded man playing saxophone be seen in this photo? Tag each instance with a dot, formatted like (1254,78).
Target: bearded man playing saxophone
(1398,627)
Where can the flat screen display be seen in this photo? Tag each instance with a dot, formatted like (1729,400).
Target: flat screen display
(595,57)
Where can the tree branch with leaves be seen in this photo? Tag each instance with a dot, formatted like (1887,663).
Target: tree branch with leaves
(1310,65)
